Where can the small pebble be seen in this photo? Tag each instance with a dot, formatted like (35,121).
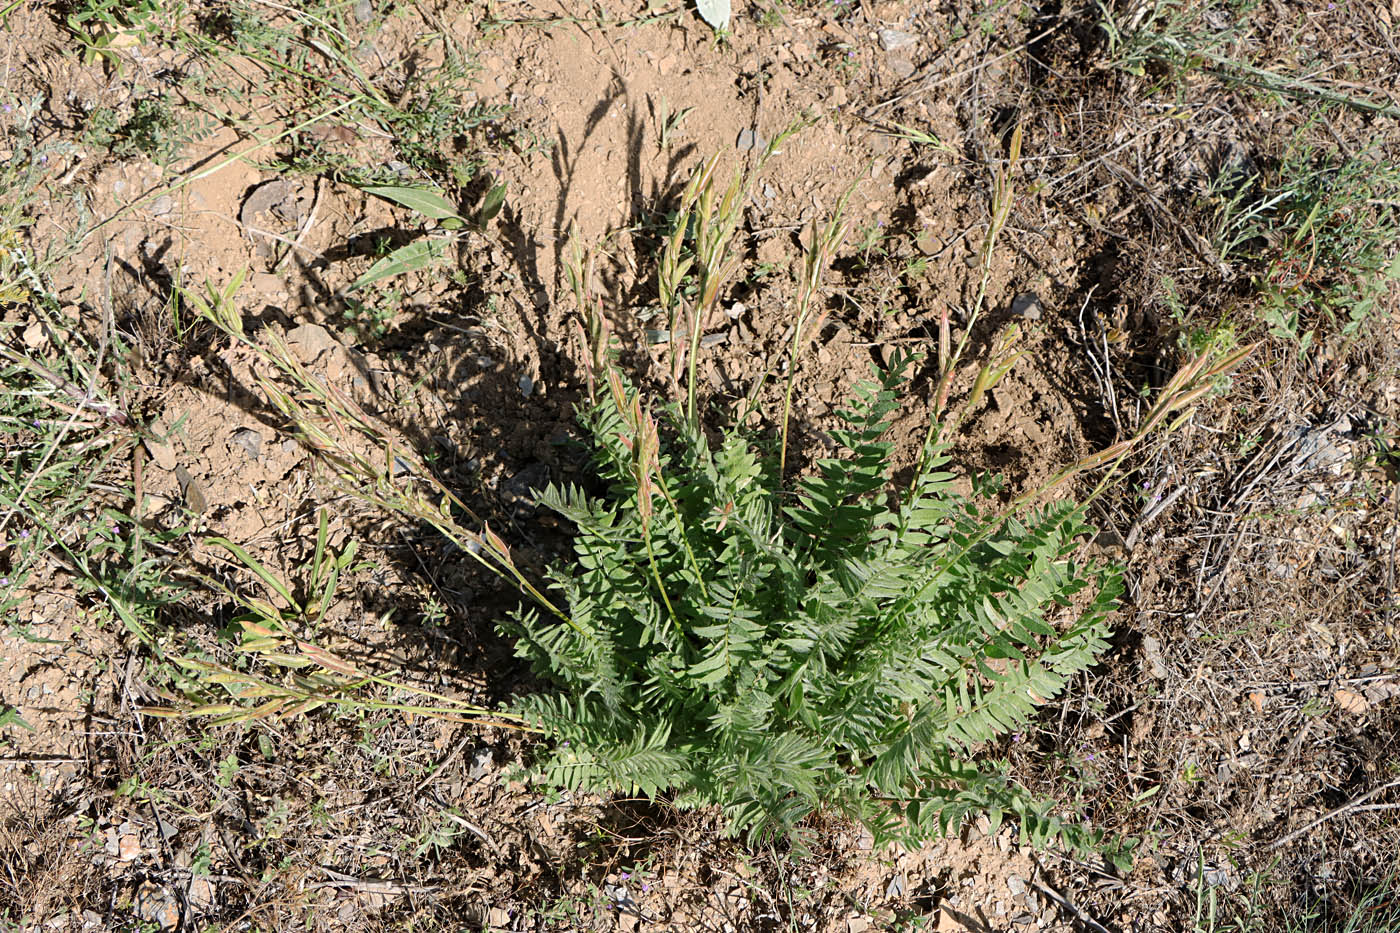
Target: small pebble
(527,384)
(364,11)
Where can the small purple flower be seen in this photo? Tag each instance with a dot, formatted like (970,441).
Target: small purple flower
(24,533)
(4,581)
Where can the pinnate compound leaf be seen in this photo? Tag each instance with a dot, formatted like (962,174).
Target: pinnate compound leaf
(774,654)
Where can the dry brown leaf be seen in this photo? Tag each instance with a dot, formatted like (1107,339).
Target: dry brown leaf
(333,133)
(1380,691)
(1257,699)
(1353,703)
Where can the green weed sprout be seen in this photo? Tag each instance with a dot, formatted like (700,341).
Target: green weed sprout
(1318,232)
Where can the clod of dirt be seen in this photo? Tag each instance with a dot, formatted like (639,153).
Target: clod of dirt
(309,341)
(35,336)
(1026,305)
(162,453)
(201,892)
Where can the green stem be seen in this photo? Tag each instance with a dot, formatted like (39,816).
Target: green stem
(685,538)
(661,587)
(690,366)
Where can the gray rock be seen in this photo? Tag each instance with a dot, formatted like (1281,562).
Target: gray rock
(522,486)
(894,39)
(1026,305)
(249,440)
(750,139)
(902,67)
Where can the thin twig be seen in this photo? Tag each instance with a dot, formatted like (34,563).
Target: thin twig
(971,69)
(1067,904)
(1329,682)
(1150,514)
(1336,811)
(368,885)
(301,235)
